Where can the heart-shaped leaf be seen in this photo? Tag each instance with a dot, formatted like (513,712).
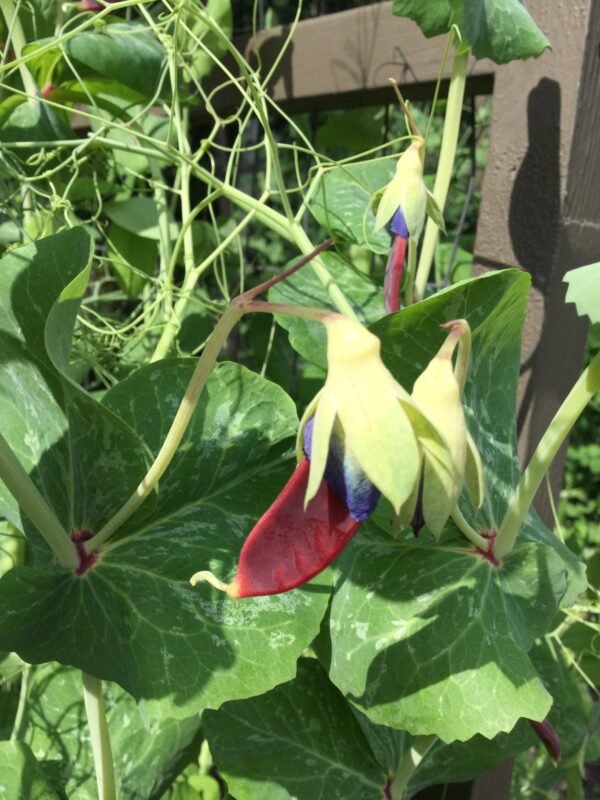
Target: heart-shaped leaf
(502,30)
(133,618)
(584,290)
(300,741)
(342,202)
(438,636)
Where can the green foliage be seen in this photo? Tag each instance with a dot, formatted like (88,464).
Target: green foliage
(501,30)
(579,508)
(123,246)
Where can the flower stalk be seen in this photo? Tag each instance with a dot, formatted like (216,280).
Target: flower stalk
(443,175)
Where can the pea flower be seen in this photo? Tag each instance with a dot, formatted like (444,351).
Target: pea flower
(437,392)
(363,436)
(406,201)
(366,408)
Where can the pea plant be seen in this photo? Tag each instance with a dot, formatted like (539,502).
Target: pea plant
(264,529)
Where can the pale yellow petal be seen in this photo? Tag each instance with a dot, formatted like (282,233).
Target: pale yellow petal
(375,425)
(323,425)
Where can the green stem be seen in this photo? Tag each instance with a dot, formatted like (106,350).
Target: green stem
(179,426)
(17,38)
(409,764)
(22,488)
(17,731)
(411,268)
(558,430)
(171,328)
(443,175)
(99,737)
(338,298)
(162,208)
(461,523)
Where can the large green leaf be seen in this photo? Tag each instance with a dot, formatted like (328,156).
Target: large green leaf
(133,618)
(342,202)
(75,450)
(305,289)
(434,639)
(502,30)
(438,636)
(22,777)
(139,216)
(298,742)
(147,756)
(125,51)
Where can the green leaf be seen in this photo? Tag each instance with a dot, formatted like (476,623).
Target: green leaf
(447,630)
(501,30)
(125,51)
(433,17)
(298,742)
(353,130)
(305,289)
(133,259)
(342,202)
(75,450)
(22,776)
(138,215)
(134,618)
(438,636)
(147,757)
(584,290)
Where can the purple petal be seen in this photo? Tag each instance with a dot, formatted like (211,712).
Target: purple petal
(398,225)
(345,477)
(548,737)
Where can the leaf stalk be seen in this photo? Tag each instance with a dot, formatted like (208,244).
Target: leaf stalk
(550,443)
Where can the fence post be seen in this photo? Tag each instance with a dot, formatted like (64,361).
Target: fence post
(540,205)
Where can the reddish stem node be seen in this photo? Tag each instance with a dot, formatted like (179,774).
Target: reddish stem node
(488,553)
(86,560)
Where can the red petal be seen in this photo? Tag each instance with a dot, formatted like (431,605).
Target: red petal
(393,274)
(288,545)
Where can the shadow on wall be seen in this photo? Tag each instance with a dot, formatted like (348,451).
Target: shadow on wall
(535,206)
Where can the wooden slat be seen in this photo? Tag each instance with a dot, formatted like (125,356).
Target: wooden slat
(344,60)
(540,206)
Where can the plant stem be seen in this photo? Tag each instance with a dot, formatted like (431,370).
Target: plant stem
(461,523)
(338,298)
(99,737)
(179,426)
(27,495)
(162,209)
(16,36)
(558,430)
(443,175)
(17,730)
(409,764)
(190,399)
(410,272)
